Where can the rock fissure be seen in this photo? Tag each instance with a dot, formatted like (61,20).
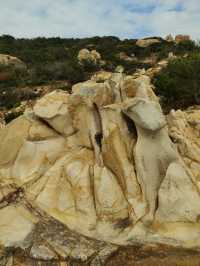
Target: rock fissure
(100,163)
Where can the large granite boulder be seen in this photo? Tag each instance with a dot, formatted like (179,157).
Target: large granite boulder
(87,55)
(82,173)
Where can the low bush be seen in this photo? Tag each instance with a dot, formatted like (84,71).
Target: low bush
(11,116)
(178,85)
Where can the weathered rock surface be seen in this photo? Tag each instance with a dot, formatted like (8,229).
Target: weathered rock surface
(147,42)
(8,60)
(184,129)
(82,173)
(87,55)
(101,76)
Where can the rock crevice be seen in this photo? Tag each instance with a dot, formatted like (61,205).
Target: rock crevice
(101,162)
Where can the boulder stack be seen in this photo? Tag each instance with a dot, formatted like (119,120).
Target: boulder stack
(87,55)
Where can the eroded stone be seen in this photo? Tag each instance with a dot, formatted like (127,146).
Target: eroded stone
(104,163)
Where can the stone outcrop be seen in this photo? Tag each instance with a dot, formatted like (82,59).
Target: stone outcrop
(143,43)
(100,167)
(184,129)
(101,76)
(8,60)
(125,57)
(119,69)
(87,55)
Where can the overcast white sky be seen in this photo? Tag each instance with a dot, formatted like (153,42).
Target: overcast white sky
(82,18)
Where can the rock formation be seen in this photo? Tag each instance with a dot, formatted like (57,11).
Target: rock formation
(8,60)
(125,57)
(87,55)
(101,76)
(147,42)
(104,163)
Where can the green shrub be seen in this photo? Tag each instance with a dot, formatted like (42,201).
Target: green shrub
(54,59)
(44,73)
(178,84)
(11,116)
(16,76)
(187,46)
(90,66)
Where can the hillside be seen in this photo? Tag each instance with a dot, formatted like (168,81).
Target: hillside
(36,66)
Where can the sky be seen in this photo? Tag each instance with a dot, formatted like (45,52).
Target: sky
(85,18)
